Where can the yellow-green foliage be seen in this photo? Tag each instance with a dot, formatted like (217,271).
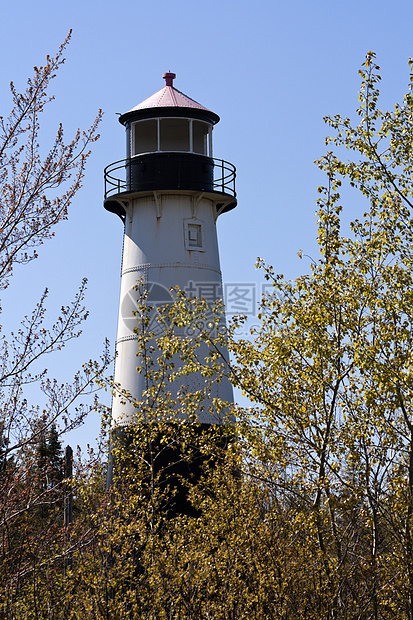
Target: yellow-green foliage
(303,508)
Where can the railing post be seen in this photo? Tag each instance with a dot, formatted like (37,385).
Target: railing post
(223,186)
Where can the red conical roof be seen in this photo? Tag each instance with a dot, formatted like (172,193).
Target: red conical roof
(169,97)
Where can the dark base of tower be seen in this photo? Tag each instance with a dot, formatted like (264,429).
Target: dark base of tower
(163,464)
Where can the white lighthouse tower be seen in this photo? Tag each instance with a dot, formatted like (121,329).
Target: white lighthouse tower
(169,192)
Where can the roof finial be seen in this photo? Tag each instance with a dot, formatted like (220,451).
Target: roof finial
(169,78)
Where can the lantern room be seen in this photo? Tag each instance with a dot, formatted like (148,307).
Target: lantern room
(169,148)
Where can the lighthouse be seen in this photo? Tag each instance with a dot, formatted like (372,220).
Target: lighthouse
(169,192)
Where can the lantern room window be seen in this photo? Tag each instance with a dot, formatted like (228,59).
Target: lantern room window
(145,138)
(200,137)
(174,134)
(171,134)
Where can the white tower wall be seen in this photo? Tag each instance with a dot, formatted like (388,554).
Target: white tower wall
(170,240)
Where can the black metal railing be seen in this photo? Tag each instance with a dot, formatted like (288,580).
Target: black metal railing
(118,177)
(116,184)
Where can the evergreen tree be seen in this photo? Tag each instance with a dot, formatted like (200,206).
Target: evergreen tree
(49,456)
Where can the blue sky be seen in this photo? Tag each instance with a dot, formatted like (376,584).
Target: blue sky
(270,69)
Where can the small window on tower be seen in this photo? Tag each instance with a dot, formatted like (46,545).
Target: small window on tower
(194,235)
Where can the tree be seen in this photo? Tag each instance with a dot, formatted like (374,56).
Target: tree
(36,189)
(330,370)
(319,525)
(30,205)
(50,456)
(330,373)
